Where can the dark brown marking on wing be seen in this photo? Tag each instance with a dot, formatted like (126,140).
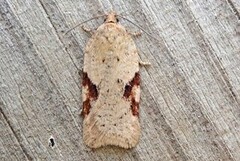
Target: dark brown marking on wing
(92,94)
(129,93)
(86,108)
(135,107)
(92,89)
(134,82)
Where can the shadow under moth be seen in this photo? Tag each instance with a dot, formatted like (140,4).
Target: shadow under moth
(111,87)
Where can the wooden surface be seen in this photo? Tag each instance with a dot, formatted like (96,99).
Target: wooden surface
(190,104)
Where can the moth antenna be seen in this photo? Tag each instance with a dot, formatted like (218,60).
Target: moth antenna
(138,27)
(82,23)
(125,13)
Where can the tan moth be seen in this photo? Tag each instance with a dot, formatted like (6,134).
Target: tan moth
(111,87)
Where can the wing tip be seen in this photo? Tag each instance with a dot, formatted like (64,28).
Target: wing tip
(126,140)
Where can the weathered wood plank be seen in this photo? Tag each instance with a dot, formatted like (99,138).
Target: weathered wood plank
(190,98)
(10,147)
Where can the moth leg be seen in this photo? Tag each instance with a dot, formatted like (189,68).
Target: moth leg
(143,63)
(135,34)
(88,30)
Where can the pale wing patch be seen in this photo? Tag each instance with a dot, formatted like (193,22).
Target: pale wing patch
(136,90)
(84,93)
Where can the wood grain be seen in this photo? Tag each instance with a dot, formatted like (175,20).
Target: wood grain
(190,104)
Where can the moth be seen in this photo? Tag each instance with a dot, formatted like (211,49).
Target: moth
(111,87)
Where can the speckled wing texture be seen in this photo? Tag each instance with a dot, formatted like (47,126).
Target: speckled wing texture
(111,88)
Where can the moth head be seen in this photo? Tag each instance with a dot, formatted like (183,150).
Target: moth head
(111,18)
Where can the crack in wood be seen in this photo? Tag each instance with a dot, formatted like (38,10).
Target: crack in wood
(29,157)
